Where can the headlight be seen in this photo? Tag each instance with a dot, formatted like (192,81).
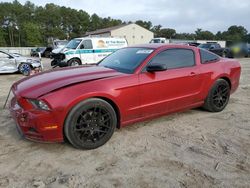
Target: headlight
(39,104)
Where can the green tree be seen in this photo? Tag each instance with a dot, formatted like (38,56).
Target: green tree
(95,22)
(32,34)
(235,33)
(168,33)
(145,24)
(185,36)
(204,35)
(157,30)
(2,38)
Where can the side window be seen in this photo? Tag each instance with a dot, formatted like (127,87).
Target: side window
(86,44)
(212,46)
(175,58)
(217,46)
(207,57)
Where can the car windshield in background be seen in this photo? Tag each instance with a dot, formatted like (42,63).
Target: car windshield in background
(61,43)
(126,60)
(155,41)
(206,46)
(73,43)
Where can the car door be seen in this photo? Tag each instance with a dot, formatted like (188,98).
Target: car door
(7,63)
(173,89)
(86,52)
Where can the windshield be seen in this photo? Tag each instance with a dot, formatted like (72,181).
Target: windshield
(206,46)
(126,60)
(61,43)
(41,49)
(73,43)
(155,41)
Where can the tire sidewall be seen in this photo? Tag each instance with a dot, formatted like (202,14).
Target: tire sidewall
(209,105)
(74,60)
(75,112)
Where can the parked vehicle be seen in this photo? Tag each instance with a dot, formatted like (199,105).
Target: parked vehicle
(239,50)
(193,44)
(44,51)
(86,104)
(158,40)
(12,62)
(81,51)
(58,45)
(215,48)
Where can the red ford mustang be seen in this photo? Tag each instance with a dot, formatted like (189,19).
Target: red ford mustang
(85,104)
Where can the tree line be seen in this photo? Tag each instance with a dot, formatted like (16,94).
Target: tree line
(31,25)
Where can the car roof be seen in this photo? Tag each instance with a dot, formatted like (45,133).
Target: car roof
(162,45)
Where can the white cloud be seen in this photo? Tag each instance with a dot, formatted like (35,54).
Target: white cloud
(182,15)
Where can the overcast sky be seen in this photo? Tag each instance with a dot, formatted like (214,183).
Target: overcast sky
(182,15)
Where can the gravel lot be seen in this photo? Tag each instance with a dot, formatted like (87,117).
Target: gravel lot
(189,149)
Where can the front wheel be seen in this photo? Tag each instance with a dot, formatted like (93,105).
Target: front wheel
(90,124)
(74,62)
(218,96)
(25,69)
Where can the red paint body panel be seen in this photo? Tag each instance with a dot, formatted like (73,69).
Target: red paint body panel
(137,97)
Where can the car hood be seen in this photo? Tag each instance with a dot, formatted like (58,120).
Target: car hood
(22,59)
(48,81)
(57,50)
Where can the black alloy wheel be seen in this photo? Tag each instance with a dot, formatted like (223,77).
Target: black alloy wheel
(221,95)
(90,124)
(218,96)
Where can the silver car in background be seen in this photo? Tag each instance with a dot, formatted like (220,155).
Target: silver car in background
(12,62)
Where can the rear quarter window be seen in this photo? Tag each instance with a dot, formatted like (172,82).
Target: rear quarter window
(208,57)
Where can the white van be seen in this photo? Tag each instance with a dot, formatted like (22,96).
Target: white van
(159,40)
(88,50)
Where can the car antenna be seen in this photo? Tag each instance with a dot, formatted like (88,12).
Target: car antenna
(4,106)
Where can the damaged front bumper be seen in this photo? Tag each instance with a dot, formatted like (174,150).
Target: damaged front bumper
(33,124)
(59,60)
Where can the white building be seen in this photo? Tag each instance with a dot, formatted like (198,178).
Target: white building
(133,33)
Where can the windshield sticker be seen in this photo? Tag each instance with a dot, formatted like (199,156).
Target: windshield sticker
(144,51)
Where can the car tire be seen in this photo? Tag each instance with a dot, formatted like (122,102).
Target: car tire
(25,69)
(74,62)
(47,54)
(218,96)
(90,124)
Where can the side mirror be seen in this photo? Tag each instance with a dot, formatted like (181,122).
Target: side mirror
(82,46)
(211,48)
(156,68)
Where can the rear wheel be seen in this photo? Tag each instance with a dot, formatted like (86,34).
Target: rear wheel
(218,96)
(74,62)
(25,69)
(90,124)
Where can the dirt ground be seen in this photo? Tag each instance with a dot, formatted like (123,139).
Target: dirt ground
(189,149)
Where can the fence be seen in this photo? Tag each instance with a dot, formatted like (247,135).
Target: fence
(20,50)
